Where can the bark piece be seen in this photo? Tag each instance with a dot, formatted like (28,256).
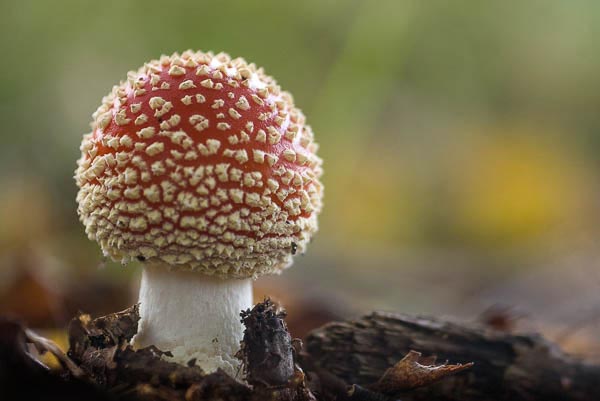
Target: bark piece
(268,356)
(267,352)
(506,366)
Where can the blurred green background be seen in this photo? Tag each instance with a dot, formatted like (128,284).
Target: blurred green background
(461,144)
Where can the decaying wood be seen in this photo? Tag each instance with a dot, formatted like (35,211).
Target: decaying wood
(100,364)
(267,353)
(410,373)
(506,366)
(375,358)
(268,357)
(101,348)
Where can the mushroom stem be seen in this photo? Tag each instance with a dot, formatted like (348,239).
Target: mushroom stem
(193,315)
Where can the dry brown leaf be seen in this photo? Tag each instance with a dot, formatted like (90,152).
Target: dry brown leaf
(410,373)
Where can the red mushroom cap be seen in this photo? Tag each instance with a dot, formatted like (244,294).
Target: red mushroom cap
(203,163)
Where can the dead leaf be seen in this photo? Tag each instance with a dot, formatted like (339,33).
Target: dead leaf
(410,373)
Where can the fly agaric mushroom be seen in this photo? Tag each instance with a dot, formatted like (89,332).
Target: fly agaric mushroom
(200,166)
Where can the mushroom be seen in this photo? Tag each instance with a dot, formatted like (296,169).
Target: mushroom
(201,167)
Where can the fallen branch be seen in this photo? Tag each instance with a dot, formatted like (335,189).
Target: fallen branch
(506,367)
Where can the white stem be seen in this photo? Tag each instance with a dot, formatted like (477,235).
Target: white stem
(193,316)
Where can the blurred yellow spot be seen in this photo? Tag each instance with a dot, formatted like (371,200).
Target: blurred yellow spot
(61,339)
(510,188)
